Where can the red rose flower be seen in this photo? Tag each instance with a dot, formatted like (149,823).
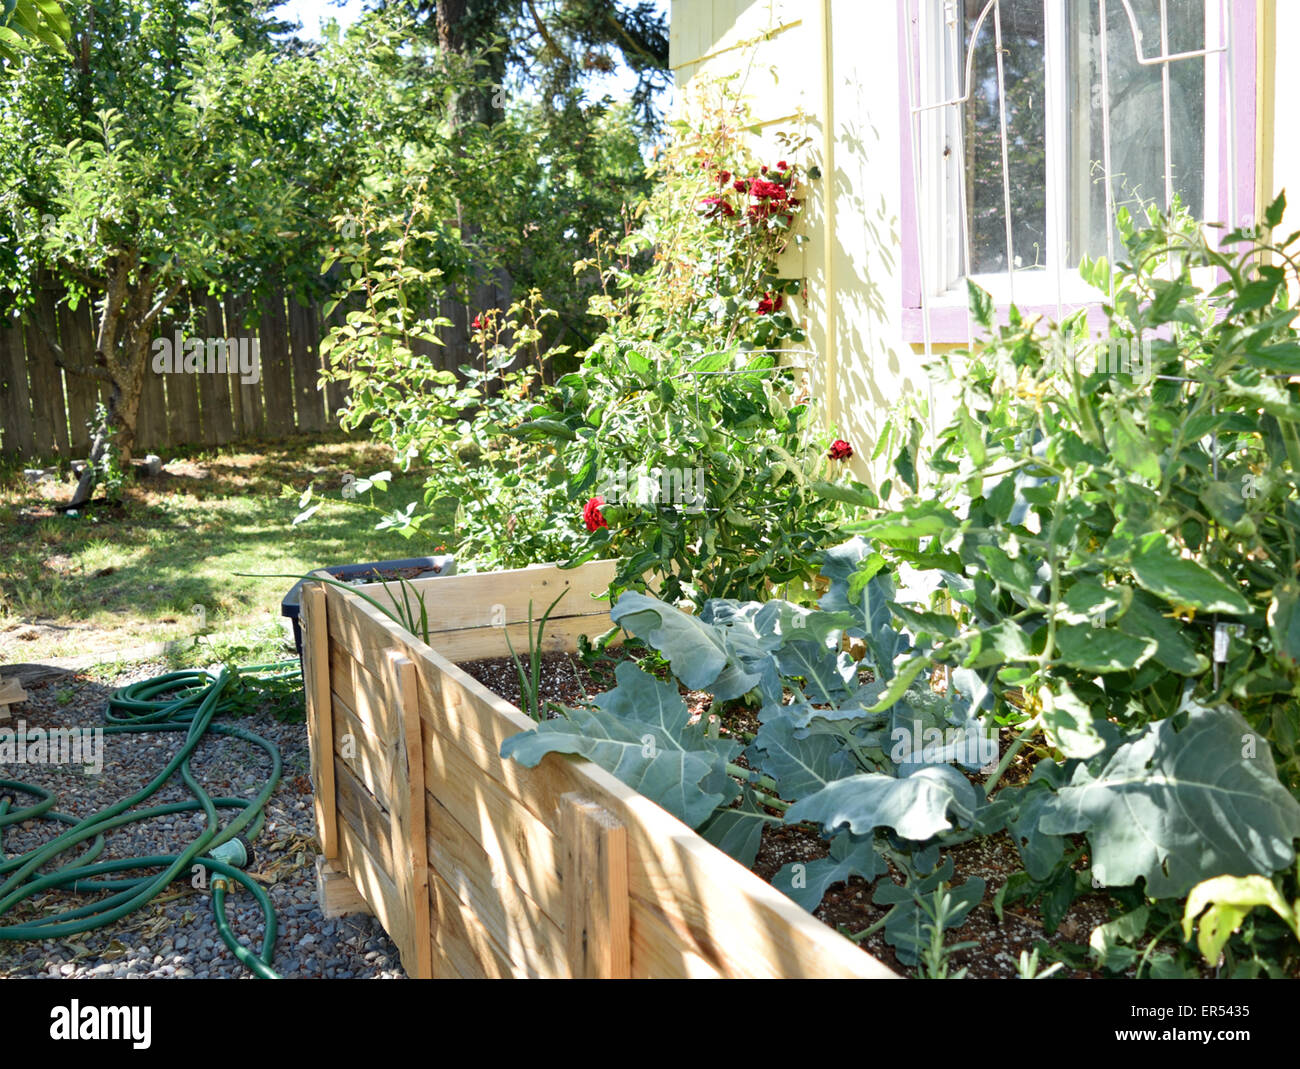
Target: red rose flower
(770,304)
(717,206)
(724,177)
(783,166)
(478,323)
(840,450)
(592,516)
(741,185)
(767,190)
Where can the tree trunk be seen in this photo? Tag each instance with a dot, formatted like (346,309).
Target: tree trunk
(466,27)
(129,311)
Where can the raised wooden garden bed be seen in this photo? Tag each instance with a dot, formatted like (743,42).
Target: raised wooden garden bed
(480,867)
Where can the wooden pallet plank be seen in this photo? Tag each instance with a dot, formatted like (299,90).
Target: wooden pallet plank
(406,787)
(361,690)
(360,811)
(517,844)
(358,746)
(533,941)
(320,716)
(499,598)
(597,927)
(368,876)
(462,947)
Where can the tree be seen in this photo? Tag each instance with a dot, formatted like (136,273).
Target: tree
(180,149)
(551,46)
(27,23)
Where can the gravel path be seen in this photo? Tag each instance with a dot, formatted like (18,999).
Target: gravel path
(175,934)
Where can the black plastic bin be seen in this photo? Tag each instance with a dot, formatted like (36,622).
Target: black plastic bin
(428,567)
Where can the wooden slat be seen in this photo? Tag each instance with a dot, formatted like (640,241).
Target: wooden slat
(407,828)
(517,844)
(183,424)
(560,636)
(206,382)
(309,400)
(597,929)
(320,718)
(358,687)
(49,421)
(496,598)
(215,389)
(376,885)
(277,377)
(336,393)
(513,919)
(77,338)
(15,398)
(152,432)
(462,947)
(366,755)
(250,418)
(369,820)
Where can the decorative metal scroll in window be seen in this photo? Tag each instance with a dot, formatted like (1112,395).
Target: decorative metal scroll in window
(1034,121)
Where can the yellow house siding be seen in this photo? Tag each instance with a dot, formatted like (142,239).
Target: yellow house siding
(830,69)
(827,69)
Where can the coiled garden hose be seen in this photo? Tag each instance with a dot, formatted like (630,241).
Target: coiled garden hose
(186,701)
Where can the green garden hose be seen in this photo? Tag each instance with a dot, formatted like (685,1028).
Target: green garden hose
(185,701)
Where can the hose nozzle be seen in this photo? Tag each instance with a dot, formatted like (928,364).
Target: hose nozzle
(238,852)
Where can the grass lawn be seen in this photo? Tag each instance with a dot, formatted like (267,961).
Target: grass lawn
(115,578)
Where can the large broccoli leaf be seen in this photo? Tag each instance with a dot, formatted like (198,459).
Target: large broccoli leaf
(916,806)
(640,732)
(1178,807)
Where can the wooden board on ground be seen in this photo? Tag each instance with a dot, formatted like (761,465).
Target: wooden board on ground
(11,693)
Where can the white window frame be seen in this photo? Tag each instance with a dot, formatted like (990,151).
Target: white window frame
(941,73)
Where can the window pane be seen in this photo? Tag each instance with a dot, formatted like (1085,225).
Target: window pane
(1137,142)
(1023,75)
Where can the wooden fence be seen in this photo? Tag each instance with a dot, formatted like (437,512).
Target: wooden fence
(45,410)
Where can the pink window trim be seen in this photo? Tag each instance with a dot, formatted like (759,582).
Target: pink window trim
(950,324)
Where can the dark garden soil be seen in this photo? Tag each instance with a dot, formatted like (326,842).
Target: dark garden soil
(847,906)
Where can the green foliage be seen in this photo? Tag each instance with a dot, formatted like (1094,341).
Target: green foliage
(27,24)
(505,492)
(1217,907)
(186,150)
(687,418)
(530,679)
(685,434)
